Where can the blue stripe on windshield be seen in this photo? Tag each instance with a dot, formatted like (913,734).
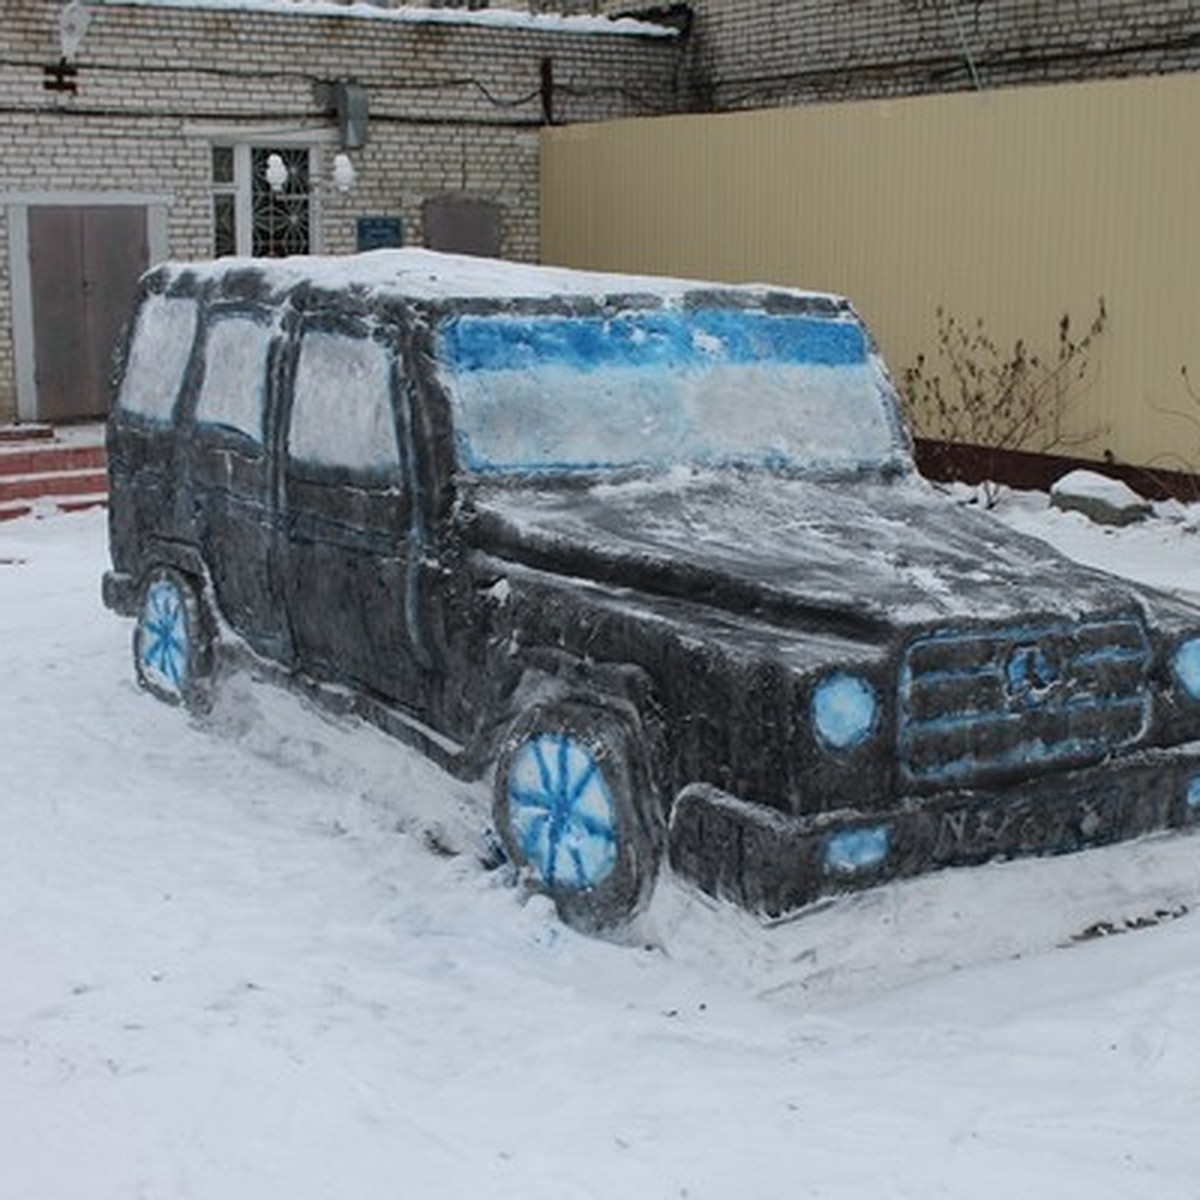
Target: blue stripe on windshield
(650,339)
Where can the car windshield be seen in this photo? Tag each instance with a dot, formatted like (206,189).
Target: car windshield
(662,388)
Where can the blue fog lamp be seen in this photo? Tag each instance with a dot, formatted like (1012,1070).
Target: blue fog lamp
(855,851)
(1193,797)
(844,709)
(1187,666)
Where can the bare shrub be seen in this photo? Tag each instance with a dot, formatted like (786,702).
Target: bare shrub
(976,394)
(1183,463)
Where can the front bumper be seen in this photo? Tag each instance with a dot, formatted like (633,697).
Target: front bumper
(774,863)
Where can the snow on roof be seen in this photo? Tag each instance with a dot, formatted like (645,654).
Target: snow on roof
(431,275)
(505,18)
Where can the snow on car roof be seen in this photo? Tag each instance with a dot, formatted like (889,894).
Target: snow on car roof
(431,275)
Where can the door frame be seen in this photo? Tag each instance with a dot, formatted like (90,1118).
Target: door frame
(404,543)
(17,206)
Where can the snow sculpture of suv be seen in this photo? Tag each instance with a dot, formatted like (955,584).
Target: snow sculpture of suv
(651,553)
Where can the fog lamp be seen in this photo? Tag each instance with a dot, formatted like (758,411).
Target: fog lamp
(1193,796)
(855,850)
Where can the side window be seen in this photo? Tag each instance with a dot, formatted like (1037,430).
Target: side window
(342,405)
(158,357)
(235,365)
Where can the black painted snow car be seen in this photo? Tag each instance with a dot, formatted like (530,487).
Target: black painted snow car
(652,554)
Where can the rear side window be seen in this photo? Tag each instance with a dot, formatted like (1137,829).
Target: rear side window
(235,366)
(158,357)
(342,405)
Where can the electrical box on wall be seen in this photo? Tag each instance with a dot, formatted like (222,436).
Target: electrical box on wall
(348,102)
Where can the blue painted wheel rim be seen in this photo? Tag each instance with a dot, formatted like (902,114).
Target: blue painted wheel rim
(561,812)
(163,645)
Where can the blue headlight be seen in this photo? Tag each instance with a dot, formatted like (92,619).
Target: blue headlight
(1187,666)
(844,710)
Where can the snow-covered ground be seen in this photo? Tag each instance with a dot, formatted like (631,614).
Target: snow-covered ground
(237,961)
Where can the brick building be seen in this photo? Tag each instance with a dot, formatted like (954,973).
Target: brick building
(133,130)
(766,53)
(140,129)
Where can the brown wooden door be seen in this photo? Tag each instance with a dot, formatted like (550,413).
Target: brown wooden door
(84,263)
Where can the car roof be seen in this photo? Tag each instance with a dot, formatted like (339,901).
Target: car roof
(431,276)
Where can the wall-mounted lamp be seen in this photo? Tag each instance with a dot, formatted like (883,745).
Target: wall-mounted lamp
(344,175)
(276,173)
(73,21)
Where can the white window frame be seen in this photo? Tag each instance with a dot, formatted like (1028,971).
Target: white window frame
(243,142)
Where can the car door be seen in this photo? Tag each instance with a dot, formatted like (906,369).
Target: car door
(229,471)
(346,510)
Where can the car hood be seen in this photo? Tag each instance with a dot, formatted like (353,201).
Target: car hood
(857,557)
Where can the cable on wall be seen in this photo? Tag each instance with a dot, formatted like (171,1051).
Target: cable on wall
(966,49)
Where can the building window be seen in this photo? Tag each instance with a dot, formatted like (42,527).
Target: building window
(224,202)
(248,216)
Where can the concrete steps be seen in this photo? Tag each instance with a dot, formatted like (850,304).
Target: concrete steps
(47,469)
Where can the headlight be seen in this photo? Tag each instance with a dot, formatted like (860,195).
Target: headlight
(1187,666)
(844,709)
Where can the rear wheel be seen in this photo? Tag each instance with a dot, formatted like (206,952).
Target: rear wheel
(173,640)
(575,809)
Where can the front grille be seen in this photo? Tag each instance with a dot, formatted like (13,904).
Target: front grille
(979,704)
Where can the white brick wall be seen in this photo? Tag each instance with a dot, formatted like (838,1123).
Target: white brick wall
(453,107)
(763,53)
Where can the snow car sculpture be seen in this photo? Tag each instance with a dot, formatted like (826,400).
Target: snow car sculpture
(651,553)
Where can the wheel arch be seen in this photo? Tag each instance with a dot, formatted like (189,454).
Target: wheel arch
(604,715)
(187,559)
(626,690)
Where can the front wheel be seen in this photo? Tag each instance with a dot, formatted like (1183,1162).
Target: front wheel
(574,807)
(173,640)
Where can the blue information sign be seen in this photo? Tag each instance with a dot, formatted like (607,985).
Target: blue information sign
(380,233)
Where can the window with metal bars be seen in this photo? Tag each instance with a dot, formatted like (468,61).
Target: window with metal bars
(253,213)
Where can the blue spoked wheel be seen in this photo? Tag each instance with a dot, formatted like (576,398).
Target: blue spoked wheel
(173,641)
(574,808)
(561,810)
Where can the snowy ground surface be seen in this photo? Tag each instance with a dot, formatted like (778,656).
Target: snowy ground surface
(237,962)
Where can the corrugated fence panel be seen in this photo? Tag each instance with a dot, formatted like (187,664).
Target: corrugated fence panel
(1012,206)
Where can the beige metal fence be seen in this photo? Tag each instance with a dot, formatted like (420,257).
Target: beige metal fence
(1013,207)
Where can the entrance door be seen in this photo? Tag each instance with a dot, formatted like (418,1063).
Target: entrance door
(84,263)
